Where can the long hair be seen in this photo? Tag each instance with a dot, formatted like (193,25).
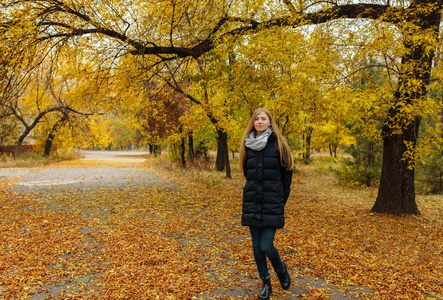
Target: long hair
(283,146)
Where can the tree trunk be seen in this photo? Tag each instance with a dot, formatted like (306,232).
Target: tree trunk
(304,145)
(157,150)
(333,150)
(20,140)
(182,147)
(222,160)
(17,148)
(228,166)
(191,146)
(30,127)
(308,146)
(396,194)
(48,145)
(183,152)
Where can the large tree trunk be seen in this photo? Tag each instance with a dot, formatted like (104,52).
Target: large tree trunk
(396,194)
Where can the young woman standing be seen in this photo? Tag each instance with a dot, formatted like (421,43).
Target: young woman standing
(266,160)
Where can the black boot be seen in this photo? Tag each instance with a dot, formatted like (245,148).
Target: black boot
(283,275)
(266,289)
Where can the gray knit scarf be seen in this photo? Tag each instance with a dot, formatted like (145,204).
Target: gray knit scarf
(257,143)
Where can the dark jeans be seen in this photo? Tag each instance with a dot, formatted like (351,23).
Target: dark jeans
(263,246)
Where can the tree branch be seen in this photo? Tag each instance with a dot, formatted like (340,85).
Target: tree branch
(215,36)
(350,11)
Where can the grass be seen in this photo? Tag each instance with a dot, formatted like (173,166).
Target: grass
(34,160)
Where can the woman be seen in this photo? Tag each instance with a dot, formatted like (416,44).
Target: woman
(266,160)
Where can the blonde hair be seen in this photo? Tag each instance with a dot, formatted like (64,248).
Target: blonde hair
(283,146)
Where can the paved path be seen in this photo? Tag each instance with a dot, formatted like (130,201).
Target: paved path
(86,154)
(85,178)
(59,183)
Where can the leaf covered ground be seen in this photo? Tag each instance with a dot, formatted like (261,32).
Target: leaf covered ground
(181,238)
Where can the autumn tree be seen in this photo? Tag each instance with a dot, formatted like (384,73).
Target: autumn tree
(160,115)
(21,108)
(17,62)
(161,99)
(52,98)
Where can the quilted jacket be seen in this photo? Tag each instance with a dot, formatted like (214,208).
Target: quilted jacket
(267,187)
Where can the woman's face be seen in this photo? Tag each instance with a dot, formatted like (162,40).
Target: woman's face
(261,122)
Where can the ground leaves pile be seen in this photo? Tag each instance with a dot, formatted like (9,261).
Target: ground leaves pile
(184,240)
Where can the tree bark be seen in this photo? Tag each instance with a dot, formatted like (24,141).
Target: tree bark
(48,144)
(19,143)
(182,152)
(222,160)
(182,147)
(307,155)
(191,146)
(228,165)
(396,194)
(219,161)
(50,138)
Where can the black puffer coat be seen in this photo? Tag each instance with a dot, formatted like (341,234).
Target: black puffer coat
(267,187)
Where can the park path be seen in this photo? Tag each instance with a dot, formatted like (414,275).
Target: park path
(94,185)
